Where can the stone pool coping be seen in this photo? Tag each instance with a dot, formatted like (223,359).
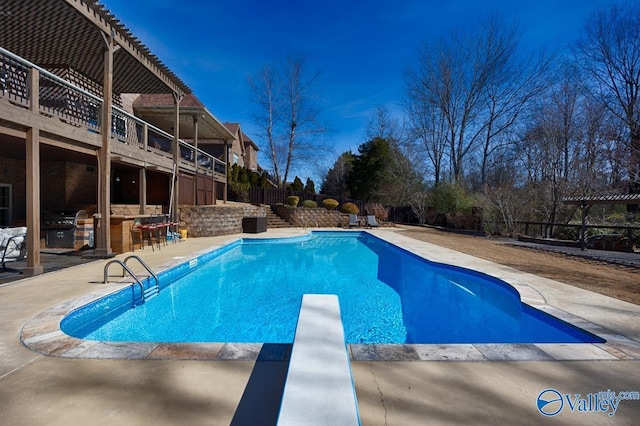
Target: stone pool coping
(42,333)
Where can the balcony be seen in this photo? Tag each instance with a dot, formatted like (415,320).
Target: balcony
(133,139)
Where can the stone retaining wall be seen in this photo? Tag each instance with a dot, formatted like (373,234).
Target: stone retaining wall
(134,209)
(209,221)
(312,217)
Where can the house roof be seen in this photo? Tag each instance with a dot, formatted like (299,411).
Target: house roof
(248,140)
(157,109)
(240,135)
(233,127)
(70,32)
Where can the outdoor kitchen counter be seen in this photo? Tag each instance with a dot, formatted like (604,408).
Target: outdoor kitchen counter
(121,230)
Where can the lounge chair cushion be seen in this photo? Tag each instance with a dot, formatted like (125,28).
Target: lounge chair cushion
(371,221)
(11,240)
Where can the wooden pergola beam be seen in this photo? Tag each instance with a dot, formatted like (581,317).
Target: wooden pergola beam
(98,16)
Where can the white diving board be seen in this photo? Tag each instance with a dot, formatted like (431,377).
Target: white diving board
(319,387)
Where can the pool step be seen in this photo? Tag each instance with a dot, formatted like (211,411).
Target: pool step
(151,292)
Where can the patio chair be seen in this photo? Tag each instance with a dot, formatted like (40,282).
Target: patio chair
(13,246)
(353,220)
(371,221)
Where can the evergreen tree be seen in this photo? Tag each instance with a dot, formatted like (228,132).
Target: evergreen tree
(335,182)
(310,186)
(297,184)
(370,170)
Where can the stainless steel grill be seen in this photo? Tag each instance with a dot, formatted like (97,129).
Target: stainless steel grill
(60,228)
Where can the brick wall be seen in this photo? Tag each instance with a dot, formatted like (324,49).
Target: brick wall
(208,221)
(52,186)
(13,172)
(63,186)
(81,185)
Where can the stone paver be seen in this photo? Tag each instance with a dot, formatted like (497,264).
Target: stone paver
(185,384)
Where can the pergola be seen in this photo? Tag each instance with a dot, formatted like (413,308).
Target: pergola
(85,36)
(76,33)
(587,201)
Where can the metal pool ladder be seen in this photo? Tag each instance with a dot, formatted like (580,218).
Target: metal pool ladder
(145,293)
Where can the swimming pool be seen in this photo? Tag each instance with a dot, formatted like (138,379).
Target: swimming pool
(250,291)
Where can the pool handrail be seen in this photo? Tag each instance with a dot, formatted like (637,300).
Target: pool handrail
(125,268)
(145,266)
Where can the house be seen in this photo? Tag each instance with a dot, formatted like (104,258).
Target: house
(241,149)
(73,136)
(197,127)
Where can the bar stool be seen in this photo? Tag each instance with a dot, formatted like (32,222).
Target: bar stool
(136,238)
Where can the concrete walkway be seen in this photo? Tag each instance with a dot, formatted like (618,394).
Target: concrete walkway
(246,389)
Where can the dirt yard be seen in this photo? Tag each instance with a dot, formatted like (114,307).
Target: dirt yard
(611,280)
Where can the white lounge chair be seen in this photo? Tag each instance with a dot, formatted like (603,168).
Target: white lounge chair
(371,221)
(13,245)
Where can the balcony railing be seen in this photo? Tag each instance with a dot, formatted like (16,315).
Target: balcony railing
(78,107)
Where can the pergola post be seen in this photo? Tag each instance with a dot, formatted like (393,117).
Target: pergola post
(142,175)
(176,156)
(583,227)
(33,183)
(195,160)
(142,190)
(103,217)
(227,147)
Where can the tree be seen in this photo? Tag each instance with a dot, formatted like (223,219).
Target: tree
(371,170)
(427,128)
(296,185)
(310,186)
(609,52)
(557,153)
(517,82)
(288,112)
(383,126)
(335,181)
(403,175)
(449,89)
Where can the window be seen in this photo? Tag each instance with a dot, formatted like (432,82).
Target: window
(5,204)
(235,158)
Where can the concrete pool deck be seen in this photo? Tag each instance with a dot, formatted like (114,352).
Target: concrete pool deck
(243,385)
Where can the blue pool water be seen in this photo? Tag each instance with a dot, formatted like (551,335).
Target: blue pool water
(250,291)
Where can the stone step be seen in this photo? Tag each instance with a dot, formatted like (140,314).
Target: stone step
(275,221)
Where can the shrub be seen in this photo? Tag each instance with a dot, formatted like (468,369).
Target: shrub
(378,210)
(241,190)
(349,208)
(449,198)
(330,204)
(309,204)
(293,200)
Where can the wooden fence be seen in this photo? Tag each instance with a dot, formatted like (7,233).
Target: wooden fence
(272,196)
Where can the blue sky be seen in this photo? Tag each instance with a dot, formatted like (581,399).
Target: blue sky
(359,47)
